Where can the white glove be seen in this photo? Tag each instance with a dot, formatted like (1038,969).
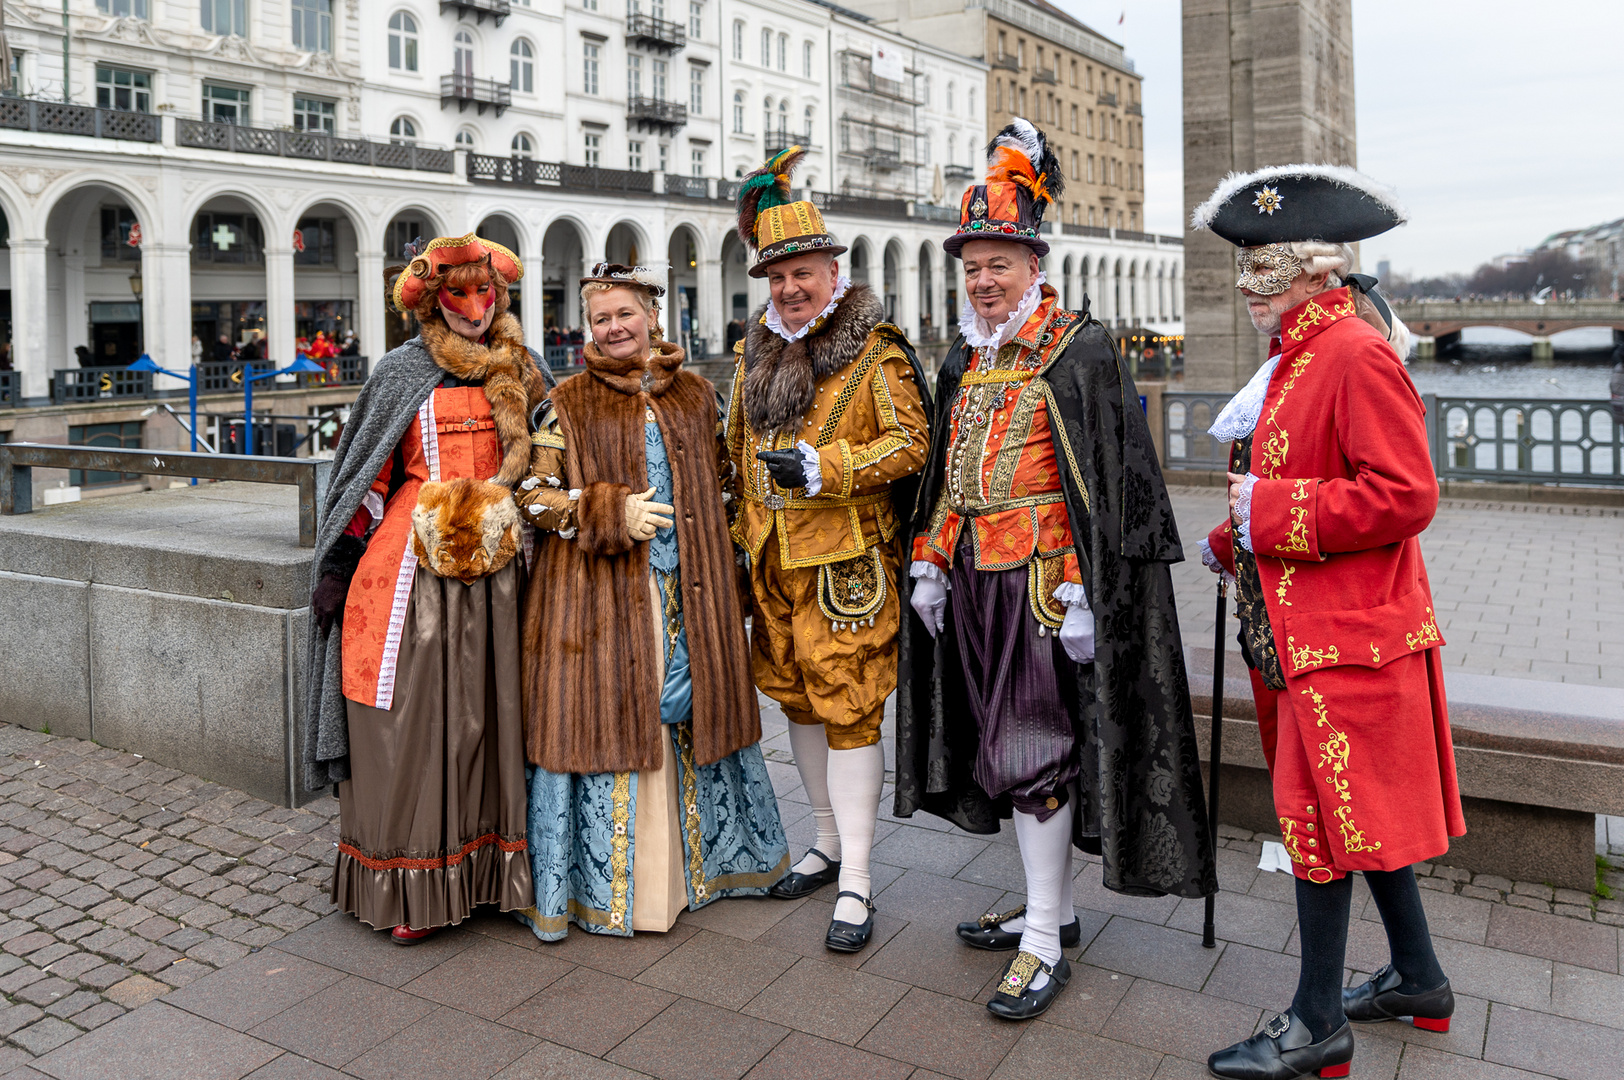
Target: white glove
(930,603)
(1077,634)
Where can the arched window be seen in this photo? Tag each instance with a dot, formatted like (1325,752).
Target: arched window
(783,122)
(766,47)
(522,67)
(738,40)
(403,131)
(402,42)
(806,59)
(971,94)
(783,52)
(465,139)
(522,146)
(927,90)
(809,123)
(738,112)
(462,54)
(766,122)
(952,149)
(950,88)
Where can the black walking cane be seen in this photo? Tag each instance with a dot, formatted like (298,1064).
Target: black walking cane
(1216,755)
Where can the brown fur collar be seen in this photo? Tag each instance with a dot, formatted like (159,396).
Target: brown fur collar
(628,376)
(508,373)
(781,376)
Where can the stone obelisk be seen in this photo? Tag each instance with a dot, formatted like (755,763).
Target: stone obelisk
(1266,82)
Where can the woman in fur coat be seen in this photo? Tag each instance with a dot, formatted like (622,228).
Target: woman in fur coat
(415,706)
(649,793)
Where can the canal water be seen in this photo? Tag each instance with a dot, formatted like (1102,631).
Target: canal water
(1494,363)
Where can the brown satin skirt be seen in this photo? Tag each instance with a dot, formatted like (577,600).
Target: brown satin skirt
(432,819)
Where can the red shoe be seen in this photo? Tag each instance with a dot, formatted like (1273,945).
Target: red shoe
(405,935)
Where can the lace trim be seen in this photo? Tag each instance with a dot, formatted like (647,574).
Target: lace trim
(1243,511)
(775,322)
(980,336)
(929,571)
(1239,418)
(1072,594)
(1210,561)
(812,465)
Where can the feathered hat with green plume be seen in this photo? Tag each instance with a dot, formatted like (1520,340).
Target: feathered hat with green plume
(773,224)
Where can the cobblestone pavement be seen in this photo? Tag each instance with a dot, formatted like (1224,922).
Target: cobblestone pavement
(126,886)
(1521,589)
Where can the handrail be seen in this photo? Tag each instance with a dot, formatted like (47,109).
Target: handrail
(19,460)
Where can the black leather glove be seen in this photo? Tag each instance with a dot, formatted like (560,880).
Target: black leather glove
(787,467)
(337,568)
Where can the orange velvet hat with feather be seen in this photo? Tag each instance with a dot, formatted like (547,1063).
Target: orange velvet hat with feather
(443,253)
(1023,178)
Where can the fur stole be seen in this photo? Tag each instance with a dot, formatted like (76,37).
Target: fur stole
(780,377)
(508,374)
(630,376)
(464,528)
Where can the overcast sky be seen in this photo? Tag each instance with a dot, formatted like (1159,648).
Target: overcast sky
(1499,122)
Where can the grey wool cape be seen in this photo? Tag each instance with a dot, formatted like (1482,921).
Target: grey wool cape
(1140,798)
(384,408)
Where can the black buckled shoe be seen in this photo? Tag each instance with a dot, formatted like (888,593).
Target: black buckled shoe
(850,937)
(1016,1000)
(794,885)
(1378,999)
(988,932)
(1284,1050)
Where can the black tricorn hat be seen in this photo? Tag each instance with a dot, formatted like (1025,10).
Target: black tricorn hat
(1284,203)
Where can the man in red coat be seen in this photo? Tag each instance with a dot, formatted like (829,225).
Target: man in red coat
(1331,484)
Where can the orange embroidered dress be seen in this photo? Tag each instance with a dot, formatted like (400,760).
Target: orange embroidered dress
(1358,742)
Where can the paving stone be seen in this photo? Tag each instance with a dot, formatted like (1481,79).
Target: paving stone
(48,956)
(234,929)
(78,930)
(489,978)
(73,1004)
(24,944)
(1551,1044)
(203,914)
(1152,952)
(71,967)
(288,918)
(45,1035)
(251,992)
(184,938)
(217,952)
(13,1017)
(1266,924)
(103,977)
(1421,1063)
(946,1035)
(155,960)
(1582,944)
(831,1002)
(322,1026)
(158,1041)
(603,1011)
(720,969)
(805,1057)
(45,992)
(117,944)
(478,1046)
(261,936)
(135,991)
(693,1040)
(545,1062)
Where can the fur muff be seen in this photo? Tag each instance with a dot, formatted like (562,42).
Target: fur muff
(509,376)
(591,627)
(780,377)
(601,515)
(464,528)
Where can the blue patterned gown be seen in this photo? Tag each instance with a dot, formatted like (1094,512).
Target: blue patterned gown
(582,826)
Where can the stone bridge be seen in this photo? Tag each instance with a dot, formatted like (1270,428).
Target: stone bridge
(1443,320)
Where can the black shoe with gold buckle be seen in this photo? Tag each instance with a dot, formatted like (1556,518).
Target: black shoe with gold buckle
(988,932)
(1015,1000)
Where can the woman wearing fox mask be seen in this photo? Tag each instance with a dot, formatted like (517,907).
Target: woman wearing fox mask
(413,707)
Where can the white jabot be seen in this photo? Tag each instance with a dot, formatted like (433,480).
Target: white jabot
(1239,418)
(775,322)
(982,336)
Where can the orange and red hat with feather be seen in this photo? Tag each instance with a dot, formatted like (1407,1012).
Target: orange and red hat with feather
(428,269)
(1023,178)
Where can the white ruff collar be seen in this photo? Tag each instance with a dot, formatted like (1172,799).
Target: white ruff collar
(776,324)
(1239,418)
(980,336)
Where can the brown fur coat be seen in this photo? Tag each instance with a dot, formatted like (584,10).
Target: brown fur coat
(591,681)
(510,378)
(781,376)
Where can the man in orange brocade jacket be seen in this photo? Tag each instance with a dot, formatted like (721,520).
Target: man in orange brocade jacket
(1331,484)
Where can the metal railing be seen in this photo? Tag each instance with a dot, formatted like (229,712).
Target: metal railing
(19,460)
(1085,230)
(1130,234)
(1174,241)
(1133,108)
(465,90)
(1005,62)
(1186,416)
(957,173)
(859,205)
(1528,440)
(309,146)
(11,389)
(656,111)
(225,376)
(1045,75)
(927,212)
(484,169)
(563,356)
(91,383)
(501,9)
(1106,99)
(690,187)
(657,32)
(58,117)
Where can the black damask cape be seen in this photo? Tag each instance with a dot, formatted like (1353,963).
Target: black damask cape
(1140,803)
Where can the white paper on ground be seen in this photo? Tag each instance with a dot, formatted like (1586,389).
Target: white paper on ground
(1274,857)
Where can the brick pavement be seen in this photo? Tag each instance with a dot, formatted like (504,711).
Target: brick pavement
(1521,589)
(128,885)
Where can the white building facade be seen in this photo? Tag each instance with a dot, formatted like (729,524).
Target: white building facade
(228,166)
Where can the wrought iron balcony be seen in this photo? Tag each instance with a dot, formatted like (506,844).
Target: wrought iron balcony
(1045,75)
(661,34)
(957,173)
(309,145)
(1008,63)
(61,118)
(881,160)
(1107,99)
(524,172)
(1133,108)
(656,113)
(692,187)
(465,90)
(498,9)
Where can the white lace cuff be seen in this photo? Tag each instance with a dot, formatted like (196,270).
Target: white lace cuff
(1210,561)
(374,505)
(1072,594)
(1243,512)
(814,467)
(930,571)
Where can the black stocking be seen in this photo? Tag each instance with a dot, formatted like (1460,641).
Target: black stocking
(1322,924)
(1398,898)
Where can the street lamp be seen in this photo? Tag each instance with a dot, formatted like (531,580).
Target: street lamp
(303,365)
(146,363)
(135,284)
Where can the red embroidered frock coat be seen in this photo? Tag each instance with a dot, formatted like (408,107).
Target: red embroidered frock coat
(1358,742)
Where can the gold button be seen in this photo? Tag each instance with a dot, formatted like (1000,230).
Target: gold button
(1310,809)
(1310,826)
(1052,803)
(1313,843)
(1313,858)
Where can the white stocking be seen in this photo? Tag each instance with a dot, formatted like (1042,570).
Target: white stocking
(1068,907)
(855,777)
(1046,855)
(811,750)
